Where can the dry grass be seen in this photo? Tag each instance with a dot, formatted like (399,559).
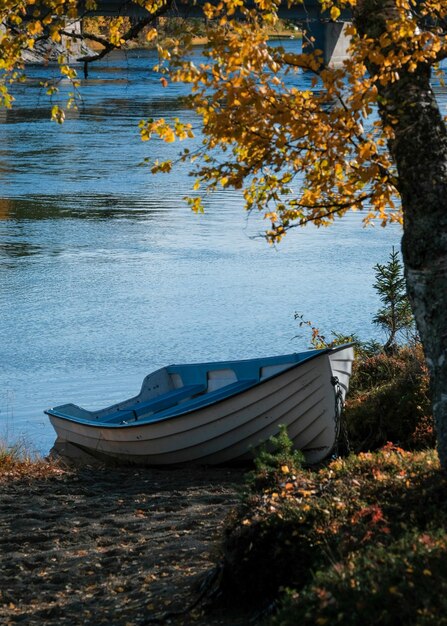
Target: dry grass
(18,461)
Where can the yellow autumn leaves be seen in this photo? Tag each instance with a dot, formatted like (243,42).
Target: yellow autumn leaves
(26,22)
(299,154)
(167,132)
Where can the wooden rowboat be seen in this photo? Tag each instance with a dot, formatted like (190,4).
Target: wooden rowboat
(212,413)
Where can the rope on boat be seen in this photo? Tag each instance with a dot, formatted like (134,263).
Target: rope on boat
(342,445)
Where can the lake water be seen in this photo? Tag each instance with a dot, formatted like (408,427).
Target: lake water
(105,274)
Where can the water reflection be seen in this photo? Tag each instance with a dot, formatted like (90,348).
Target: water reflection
(6,205)
(18,249)
(82,207)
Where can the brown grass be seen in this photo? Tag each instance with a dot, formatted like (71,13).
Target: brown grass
(17,461)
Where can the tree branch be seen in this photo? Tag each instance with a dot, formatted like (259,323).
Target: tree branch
(132,32)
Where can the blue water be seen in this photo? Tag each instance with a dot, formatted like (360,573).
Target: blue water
(105,274)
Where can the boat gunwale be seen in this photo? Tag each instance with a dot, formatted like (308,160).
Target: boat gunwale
(139,424)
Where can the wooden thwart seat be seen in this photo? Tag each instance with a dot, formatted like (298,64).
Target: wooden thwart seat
(203,400)
(160,403)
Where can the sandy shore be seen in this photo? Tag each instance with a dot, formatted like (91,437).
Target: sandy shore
(95,546)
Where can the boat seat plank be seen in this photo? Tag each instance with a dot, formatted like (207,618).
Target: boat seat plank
(167,400)
(160,403)
(203,400)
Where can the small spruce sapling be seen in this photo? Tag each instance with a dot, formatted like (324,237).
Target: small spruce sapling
(274,461)
(395,315)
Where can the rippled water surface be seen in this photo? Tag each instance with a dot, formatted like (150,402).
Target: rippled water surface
(105,274)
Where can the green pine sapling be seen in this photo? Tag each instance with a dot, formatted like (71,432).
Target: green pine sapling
(395,315)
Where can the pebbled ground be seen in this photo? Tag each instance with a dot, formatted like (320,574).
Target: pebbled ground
(111,546)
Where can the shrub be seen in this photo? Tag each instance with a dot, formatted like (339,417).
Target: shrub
(358,523)
(404,583)
(253,541)
(389,400)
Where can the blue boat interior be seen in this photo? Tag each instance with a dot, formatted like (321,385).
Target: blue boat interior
(178,389)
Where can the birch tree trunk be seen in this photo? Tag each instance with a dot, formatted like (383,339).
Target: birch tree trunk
(419,150)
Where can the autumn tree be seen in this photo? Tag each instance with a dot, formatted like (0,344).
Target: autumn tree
(367,136)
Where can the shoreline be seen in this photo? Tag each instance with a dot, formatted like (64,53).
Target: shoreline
(197,41)
(115,546)
(44,54)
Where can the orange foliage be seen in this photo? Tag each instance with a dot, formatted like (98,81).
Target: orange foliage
(299,154)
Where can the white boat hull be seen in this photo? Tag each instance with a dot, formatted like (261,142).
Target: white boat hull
(302,398)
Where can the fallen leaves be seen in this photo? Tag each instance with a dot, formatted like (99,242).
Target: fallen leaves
(140,545)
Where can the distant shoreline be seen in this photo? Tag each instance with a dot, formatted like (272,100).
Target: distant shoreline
(196,41)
